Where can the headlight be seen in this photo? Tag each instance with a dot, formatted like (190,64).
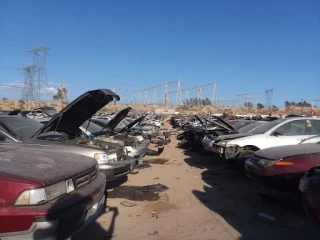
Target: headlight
(42,195)
(222,143)
(101,157)
(266,163)
(31,197)
(230,151)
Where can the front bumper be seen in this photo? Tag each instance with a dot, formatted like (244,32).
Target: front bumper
(119,169)
(61,218)
(137,152)
(275,177)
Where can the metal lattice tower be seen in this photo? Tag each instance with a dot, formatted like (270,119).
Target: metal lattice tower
(178,95)
(242,97)
(28,90)
(269,96)
(35,82)
(214,101)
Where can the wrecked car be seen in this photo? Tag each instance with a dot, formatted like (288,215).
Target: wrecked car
(282,167)
(63,132)
(280,132)
(42,112)
(218,144)
(42,189)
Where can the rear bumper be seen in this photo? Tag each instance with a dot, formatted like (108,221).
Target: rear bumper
(65,216)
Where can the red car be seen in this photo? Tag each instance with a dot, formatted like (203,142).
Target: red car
(45,194)
(310,189)
(282,167)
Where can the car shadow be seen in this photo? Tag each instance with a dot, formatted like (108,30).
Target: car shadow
(70,219)
(241,206)
(95,231)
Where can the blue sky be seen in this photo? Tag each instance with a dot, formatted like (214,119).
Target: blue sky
(245,46)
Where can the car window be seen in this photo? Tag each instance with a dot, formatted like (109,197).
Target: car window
(315,127)
(266,127)
(297,127)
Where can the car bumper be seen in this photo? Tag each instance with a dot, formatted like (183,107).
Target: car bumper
(269,176)
(137,152)
(119,169)
(65,216)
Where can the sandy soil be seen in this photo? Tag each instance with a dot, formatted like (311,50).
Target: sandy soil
(206,199)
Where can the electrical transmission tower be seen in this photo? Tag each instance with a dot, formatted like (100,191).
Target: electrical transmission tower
(241,97)
(214,101)
(35,82)
(269,95)
(28,89)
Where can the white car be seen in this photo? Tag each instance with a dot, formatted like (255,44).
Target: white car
(287,131)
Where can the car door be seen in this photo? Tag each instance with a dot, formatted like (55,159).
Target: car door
(313,131)
(290,133)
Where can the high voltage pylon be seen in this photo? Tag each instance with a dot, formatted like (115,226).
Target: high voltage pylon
(35,82)
(269,96)
(165,98)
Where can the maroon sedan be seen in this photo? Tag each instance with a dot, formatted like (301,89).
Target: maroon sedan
(310,189)
(45,194)
(282,167)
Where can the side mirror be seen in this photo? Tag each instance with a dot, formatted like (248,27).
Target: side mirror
(277,133)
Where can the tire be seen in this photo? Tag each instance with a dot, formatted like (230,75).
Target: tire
(242,157)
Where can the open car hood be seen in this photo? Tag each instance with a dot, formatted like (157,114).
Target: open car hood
(117,119)
(69,119)
(223,124)
(138,120)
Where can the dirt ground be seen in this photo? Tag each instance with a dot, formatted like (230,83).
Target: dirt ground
(206,199)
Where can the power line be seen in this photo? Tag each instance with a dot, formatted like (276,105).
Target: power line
(11,39)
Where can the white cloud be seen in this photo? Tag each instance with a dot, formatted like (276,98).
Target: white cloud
(48,90)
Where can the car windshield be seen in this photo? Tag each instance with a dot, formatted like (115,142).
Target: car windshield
(23,127)
(266,127)
(250,127)
(93,128)
(240,124)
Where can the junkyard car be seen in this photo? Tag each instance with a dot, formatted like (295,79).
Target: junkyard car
(217,144)
(46,194)
(286,131)
(63,131)
(282,167)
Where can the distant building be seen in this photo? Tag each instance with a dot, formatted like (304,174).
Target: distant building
(164,111)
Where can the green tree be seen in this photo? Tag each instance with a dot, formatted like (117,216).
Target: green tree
(260,106)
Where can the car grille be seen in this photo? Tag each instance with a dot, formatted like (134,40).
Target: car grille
(85,178)
(255,158)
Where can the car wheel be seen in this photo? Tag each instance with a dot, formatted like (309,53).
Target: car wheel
(242,157)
